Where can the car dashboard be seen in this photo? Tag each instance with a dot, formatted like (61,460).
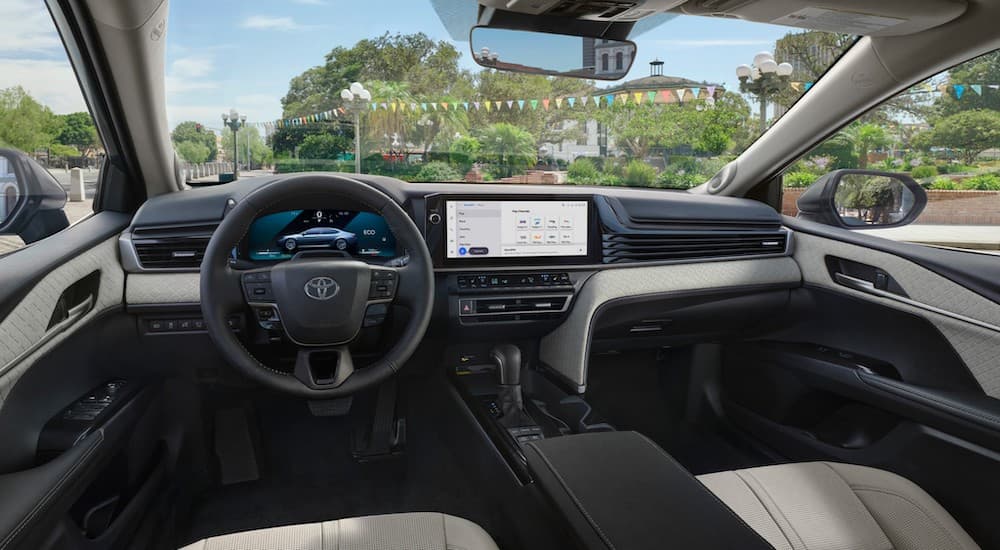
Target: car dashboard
(574,269)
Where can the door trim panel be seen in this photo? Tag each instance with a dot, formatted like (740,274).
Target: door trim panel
(976,345)
(24,332)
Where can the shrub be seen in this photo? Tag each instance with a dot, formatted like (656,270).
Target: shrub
(438,171)
(799,179)
(288,165)
(924,171)
(639,174)
(984,182)
(943,184)
(949,168)
(583,170)
(678,179)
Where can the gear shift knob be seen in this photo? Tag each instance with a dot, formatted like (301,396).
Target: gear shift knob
(508,360)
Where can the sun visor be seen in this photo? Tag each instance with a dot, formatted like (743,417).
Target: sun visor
(856,17)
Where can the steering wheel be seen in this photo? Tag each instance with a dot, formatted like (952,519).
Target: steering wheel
(320,301)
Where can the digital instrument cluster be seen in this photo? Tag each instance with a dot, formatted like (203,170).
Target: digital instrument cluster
(281,235)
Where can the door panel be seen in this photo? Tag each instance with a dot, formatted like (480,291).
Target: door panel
(85,451)
(886,361)
(25,334)
(975,344)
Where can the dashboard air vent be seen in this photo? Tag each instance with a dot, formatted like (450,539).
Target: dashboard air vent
(685,245)
(171,247)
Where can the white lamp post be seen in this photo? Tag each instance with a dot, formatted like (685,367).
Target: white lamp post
(234,121)
(764,78)
(356,100)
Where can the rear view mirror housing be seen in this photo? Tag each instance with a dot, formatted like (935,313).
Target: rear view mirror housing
(31,200)
(862,199)
(551,54)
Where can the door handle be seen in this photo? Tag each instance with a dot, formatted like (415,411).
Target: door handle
(855,283)
(868,287)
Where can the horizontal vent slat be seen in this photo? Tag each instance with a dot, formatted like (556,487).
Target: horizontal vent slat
(679,245)
(172,247)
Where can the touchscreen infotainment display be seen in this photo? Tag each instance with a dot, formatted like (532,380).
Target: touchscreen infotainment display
(507,229)
(281,235)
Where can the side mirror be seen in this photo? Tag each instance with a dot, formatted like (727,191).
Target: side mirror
(859,199)
(31,200)
(546,53)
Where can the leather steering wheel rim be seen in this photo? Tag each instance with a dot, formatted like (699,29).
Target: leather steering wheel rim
(221,292)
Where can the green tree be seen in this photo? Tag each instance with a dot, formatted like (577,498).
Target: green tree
(285,140)
(25,124)
(260,152)
(969,132)
(866,138)
(465,151)
(192,152)
(78,131)
(193,132)
(430,69)
(322,146)
(509,146)
(981,70)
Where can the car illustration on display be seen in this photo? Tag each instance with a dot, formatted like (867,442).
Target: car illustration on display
(319,237)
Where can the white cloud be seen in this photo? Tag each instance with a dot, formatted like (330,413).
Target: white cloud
(25,26)
(51,82)
(265,22)
(709,43)
(188,74)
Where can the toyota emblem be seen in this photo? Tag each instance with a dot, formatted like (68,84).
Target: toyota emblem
(321,288)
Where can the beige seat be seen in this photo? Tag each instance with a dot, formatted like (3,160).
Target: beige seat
(830,506)
(414,531)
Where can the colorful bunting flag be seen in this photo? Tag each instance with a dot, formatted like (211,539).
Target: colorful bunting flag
(977,88)
(959,90)
(534,104)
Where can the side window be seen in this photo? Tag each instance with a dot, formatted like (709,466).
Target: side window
(50,153)
(944,133)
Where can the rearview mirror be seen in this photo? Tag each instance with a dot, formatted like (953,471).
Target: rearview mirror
(31,200)
(551,54)
(859,199)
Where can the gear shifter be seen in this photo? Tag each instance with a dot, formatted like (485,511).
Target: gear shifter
(508,360)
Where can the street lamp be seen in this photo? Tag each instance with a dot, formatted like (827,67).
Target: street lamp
(234,121)
(764,78)
(356,100)
(486,56)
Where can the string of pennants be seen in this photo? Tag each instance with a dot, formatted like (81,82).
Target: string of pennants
(673,95)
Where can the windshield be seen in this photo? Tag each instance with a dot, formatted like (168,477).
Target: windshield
(392,88)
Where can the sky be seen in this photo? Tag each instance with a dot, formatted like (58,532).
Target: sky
(224,54)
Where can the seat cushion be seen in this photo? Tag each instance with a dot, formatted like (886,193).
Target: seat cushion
(414,531)
(831,506)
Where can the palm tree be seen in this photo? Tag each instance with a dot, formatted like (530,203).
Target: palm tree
(509,145)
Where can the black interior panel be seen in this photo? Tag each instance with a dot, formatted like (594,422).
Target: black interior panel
(918,351)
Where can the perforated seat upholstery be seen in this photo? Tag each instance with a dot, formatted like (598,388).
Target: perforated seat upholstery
(830,506)
(414,531)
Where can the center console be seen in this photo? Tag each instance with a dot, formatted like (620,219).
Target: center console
(619,490)
(511,258)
